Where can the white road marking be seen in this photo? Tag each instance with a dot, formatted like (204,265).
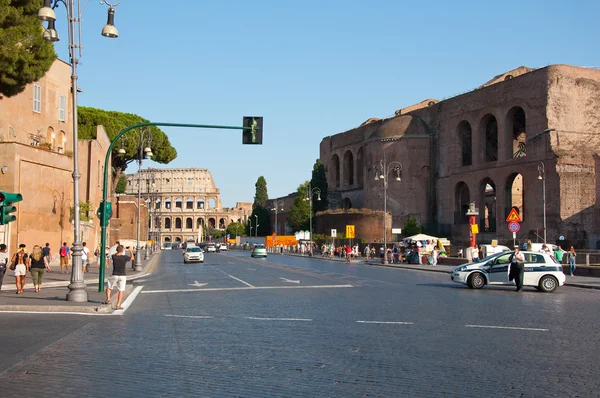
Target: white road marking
(129,300)
(252,269)
(216,289)
(387,323)
(239,280)
(288,280)
(278,319)
(507,327)
(190,316)
(197,284)
(55,313)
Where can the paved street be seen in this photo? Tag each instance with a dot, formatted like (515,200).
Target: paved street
(291,326)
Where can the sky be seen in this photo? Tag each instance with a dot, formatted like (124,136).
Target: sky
(311,68)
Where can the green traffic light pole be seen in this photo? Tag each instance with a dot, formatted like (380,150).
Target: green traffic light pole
(103,205)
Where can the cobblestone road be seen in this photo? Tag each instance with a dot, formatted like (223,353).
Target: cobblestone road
(287,326)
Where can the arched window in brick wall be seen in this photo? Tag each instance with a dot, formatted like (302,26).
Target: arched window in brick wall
(189,223)
(489,132)
(487,212)
(465,141)
(178,223)
(335,170)
(211,222)
(360,164)
(348,168)
(168,223)
(513,194)
(516,123)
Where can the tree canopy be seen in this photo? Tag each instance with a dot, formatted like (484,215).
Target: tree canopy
(24,54)
(298,219)
(319,180)
(122,184)
(261,196)
(235,228)
(113,122)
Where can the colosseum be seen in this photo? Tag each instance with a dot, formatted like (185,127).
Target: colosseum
(527,139)
(187,203)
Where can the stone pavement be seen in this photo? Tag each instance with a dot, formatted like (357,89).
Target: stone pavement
(52,297)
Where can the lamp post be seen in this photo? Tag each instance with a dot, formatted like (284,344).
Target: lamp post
(542,176)
(311,192)
(143,151)
(256,227)
(276,205)
(383,173)
(77,292)
(150,201)
(250,222)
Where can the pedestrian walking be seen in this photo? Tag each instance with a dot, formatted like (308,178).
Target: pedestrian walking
(20,262)
(46,253)
(571,258)
(38,264)
(559,254)
(475,253)
(367,252)
(64,258)
(434,256)
(517,268)
(129,252)
(3,262)
(85,255)
(460,252)
(118,279)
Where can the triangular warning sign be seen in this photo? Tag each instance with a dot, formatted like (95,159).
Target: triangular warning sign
(513,216)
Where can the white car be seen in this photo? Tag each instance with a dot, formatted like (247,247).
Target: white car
(211,248)
(193,254)
(223,247)
(542,271)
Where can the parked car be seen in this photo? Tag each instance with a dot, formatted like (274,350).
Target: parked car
(211,248)
(193,254)
(223,247)
(488,249)
(259,251)
(542,271)
(537,247)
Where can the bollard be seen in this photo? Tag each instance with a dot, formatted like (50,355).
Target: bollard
(587,259)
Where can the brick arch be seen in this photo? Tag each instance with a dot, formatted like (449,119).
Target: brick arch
(464,134)
(514,193)
(348,170)
(462,198)
(168,223)
(516,132)
(488,205)
(335,170)
(488,131)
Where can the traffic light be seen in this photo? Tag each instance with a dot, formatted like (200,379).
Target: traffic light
(104,213)
(6,206)
(253,132)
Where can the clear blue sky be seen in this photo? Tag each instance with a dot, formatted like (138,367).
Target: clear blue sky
(311,68)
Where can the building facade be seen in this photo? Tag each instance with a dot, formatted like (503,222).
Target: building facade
(185,204)
(36,160)
(498,146)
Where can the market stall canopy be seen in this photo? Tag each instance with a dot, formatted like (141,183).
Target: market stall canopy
(422,237)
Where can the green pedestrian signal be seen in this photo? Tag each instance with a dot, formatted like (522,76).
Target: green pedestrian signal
(6,206)
(104,213)
(253,130)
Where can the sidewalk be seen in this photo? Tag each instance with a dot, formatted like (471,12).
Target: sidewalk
(52,297)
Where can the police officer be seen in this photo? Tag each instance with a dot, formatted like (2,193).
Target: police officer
(517,267)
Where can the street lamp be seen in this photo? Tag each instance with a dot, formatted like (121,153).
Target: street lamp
(250,230)
(150,201)
(382,173)
(256,227)
(276,205)
(311,192)
(542,176)
(77,290)
(143,151)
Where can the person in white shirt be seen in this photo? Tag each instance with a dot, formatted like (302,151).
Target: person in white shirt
(3,262)
(85,255)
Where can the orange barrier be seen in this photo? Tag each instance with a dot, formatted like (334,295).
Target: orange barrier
(281,240)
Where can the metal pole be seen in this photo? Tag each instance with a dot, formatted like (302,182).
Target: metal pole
(256,227)
(138,259)
(77,292)
(385,183)
(147,254)
(310,219)
(544,194)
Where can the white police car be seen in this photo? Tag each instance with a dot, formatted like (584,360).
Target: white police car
(542,271)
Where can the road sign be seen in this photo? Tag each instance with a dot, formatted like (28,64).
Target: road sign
(474,229)
(513,216)
(514,226)
(350,231)
(334,233)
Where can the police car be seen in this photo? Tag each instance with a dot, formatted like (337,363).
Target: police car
(542,271)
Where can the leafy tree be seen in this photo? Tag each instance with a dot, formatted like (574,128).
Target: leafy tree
(319,180)
(411,227)
(122,184)
(24,54)
(261,196)
(234,228)
(113,123)
(298,218)
(264,223)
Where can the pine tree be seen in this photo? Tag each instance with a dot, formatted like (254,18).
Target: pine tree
(261,196)
(25,56)
(298,218)
(319,180)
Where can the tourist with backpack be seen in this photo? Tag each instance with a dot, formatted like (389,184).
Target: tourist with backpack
(64,258)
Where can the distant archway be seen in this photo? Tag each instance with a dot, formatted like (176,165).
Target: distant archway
(348,168)
(487,212)
(462,198)
(178,223)
(513,194)
(211,222)
(189,223)
(222,223)
(212,203)
(516,123)
(335,170)
(465,139)
(489,131)
(168,223)
(347,203)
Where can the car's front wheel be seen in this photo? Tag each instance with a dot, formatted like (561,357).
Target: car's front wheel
(476,280)
(548,284)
